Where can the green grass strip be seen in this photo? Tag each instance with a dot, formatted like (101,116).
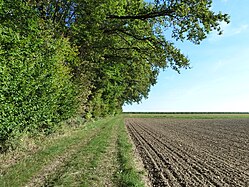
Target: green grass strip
(127,174)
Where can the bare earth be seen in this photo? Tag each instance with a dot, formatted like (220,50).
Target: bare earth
(193,152)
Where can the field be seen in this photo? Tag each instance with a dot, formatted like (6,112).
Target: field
(192,152)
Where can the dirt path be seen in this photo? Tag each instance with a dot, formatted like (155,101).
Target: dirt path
(179,152)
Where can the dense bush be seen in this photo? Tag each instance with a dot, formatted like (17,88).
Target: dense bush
(36,91)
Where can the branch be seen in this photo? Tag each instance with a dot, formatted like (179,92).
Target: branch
(116,31)
(144,16)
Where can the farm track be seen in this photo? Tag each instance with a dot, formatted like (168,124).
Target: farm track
(55,165)
(180,152)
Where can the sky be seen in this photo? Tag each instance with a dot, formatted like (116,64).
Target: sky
(219,77)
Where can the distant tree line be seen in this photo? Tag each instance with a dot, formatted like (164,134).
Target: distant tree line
(89,57)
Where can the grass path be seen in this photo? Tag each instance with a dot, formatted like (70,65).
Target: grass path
(97,154)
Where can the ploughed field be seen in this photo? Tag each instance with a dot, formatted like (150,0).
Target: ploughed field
(193,152)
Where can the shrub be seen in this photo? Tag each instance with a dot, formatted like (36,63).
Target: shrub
(36,91)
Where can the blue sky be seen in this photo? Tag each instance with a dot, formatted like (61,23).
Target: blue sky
(218,80)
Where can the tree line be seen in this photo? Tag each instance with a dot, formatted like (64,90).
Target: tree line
(89,57)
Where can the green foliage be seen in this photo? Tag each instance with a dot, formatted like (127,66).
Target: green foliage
(36,91)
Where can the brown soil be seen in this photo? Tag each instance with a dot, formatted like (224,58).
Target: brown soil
(139,165)
(193,152)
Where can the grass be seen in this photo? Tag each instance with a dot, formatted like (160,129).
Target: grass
(83,151)
(78,171)
(127,174)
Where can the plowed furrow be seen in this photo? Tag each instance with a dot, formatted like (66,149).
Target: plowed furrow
(194,154)
(179,171)
(239,157)
(218,136)
(149,159)
(216,167)
(185,162)
(226,150)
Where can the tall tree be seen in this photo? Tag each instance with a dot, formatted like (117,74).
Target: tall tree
(123,44)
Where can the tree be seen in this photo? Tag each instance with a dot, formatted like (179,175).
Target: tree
(123,44)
